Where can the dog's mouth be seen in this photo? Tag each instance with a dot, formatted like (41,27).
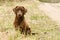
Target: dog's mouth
(19,14)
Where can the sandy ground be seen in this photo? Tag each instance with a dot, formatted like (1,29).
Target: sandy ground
(52,10)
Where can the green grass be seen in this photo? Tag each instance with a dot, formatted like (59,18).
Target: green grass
(37,20)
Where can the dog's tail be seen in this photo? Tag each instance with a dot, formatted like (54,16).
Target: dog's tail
(34,33)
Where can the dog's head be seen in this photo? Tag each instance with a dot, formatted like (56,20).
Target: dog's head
(19,11)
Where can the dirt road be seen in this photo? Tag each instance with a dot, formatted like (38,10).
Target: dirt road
(52,10)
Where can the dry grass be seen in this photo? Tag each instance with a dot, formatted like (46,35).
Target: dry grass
(38,21)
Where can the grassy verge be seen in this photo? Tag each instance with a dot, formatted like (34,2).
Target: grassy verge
(37,20)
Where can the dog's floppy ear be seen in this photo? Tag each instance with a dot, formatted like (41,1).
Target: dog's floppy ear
(14,9)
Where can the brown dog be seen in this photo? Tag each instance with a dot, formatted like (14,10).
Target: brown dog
(20,22)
